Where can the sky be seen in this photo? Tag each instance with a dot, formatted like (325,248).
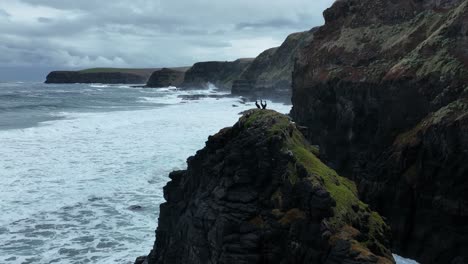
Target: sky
(37,36)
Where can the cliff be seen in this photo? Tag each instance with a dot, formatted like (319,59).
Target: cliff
(219,73)
(382,89)
(258,193)
(101,75)
(270,73)
(167,77)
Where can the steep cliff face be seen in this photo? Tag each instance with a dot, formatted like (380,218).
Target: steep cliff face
(101,75)
(421,184)
(219,73)
(166,77)
(373,72)
(270,73)
(258,193)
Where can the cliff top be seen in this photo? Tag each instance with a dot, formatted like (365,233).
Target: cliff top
(348,206)
(389,40)
(144,71)
(137,71)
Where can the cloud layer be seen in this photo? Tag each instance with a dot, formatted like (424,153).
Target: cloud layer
(146,33)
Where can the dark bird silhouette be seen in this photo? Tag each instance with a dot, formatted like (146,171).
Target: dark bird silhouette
(258,106)
(264,105)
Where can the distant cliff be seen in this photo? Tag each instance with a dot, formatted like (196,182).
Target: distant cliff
(382,89)
(220,73)
(271,72)
(101,75)
(258,193)
(167,77)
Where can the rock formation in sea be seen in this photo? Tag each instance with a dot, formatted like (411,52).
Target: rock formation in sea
(259,193)
(383,90)
(101,75)
(166,77)
(270,73)
(219,73)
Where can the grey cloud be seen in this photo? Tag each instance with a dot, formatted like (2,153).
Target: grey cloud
(4,13)
(274,23)
(149,33)
(44,20)
(212,44)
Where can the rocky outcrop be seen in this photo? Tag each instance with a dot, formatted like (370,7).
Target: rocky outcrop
(270,73)
(219,73)
(101,75)
(165,78)
(376,74)
(258,193)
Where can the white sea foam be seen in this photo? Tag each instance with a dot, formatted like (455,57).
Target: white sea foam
(99,85)
(401,260)
(67,184)
(166,100)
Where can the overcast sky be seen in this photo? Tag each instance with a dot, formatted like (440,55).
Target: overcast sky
(37,36)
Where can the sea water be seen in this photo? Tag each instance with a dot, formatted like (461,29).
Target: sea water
(82,166)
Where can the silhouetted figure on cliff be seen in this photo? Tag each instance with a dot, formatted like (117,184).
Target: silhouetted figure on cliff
(264,105)
(258,106)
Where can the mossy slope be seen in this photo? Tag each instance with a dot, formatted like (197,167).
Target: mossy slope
(348,212)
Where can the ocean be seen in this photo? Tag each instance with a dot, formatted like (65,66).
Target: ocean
(82,166)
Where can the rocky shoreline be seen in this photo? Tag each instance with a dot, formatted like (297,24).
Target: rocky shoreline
(266,76)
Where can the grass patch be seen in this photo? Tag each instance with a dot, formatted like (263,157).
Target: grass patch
(349,211)
(342,190)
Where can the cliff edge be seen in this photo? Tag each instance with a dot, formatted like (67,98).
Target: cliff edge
(258,193)
(270,74)
(167,77)
(219,73)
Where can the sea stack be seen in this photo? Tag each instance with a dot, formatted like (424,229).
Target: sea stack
(259,193)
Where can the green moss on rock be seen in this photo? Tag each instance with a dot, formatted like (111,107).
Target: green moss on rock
(348,209)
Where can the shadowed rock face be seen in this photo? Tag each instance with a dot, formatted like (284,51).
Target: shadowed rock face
(375,72)
(166,77)
(106,76)
(258,193)
(270,73)
(424,173)
(219,73)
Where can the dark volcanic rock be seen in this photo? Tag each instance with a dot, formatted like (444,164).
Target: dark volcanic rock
(106,76)
(270,73)
(165,78)
(135,207)
(257,193)
(376,70)
(219,73)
